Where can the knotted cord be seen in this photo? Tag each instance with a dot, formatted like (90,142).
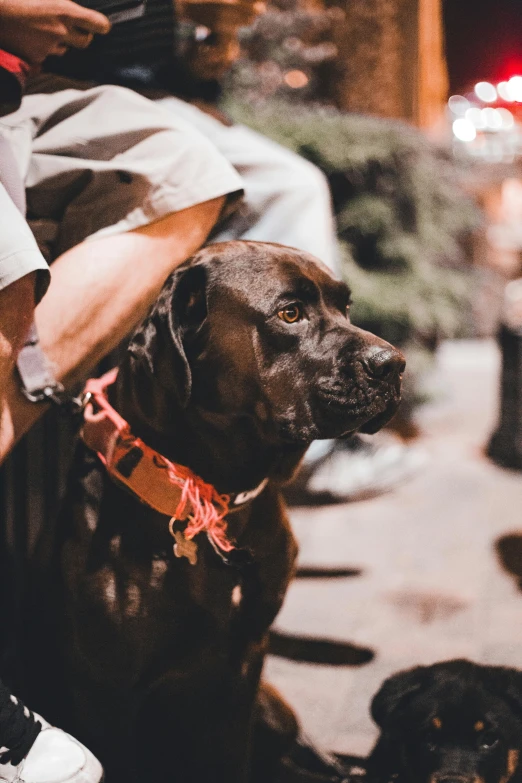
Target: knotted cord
(204,506)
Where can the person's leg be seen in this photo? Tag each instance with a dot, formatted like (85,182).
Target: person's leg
(287,199)
(23,271)
(31,750)
(88,310)
(16,308)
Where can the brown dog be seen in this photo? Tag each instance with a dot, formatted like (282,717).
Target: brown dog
(247,356)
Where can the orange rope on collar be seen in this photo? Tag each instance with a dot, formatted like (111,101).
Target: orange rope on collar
(163,485)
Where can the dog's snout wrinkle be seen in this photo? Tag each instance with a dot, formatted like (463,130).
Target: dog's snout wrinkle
(383,363)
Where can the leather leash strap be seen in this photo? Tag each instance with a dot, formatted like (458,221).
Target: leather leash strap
(38,383)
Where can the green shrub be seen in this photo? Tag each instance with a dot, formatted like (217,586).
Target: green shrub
(402,216)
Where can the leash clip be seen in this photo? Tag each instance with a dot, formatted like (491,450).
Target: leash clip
(38,383)
(76,405)
(56,394)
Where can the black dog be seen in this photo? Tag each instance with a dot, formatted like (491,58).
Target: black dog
(247,356)
(454,722)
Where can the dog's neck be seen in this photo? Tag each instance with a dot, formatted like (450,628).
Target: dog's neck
(230,454)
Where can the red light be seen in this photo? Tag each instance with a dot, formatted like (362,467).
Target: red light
(512,66)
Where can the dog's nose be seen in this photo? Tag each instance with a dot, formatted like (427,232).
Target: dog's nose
(383,363)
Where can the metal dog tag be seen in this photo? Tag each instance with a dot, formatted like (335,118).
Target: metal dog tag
(185,547)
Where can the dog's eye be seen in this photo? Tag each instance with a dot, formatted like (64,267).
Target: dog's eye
(487,740)
(291,313)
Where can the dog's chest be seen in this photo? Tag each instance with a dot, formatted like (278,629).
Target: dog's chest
(134,608)
(149,607)
(130,600)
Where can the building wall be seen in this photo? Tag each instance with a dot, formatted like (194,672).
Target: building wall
(391,60)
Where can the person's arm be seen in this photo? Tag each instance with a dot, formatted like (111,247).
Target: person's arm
(90,307)
(20,263)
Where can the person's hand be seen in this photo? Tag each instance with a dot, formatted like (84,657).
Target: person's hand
(35,29)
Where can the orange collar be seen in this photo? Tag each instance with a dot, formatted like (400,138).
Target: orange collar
(171,489)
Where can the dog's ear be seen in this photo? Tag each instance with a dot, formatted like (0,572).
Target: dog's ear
(395,693)
(158,344)
(505,683)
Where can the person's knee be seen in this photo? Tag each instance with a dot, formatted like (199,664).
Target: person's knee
(153,165)
(16,312)
(301,181)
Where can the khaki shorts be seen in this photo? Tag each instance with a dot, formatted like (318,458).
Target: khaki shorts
(104,160)
(19,253)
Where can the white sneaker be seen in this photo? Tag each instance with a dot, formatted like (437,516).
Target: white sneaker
(359,468)
(54,756)
(366,467)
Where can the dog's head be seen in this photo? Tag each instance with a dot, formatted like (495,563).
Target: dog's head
(454,722)
(261,332)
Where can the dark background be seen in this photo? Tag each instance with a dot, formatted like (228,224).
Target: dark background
(483,40)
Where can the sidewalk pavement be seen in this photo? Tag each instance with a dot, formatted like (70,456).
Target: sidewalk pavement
(431,586)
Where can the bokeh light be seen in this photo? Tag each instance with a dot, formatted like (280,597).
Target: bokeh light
(464,130)
(296,79)
(458,105)
(486,92)
(508,121)
(515,88)
(504,91)
(474,115)
(492,119)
